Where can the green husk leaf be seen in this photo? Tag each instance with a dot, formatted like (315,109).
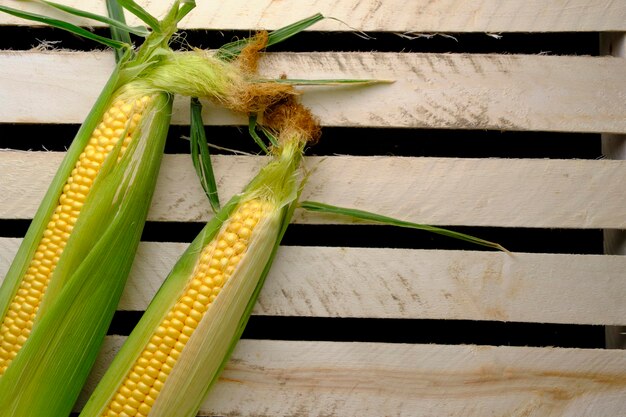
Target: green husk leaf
(270,136)
(77,30)
(201,156)
(185,8)
(365,215)
(115,21)
(286,32)
(231,50)
(252,124)
(142,14)
(119,34)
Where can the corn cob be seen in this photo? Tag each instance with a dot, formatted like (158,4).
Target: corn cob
(66,252)
(62,288)
(119,123)
(183,340)
(217,263)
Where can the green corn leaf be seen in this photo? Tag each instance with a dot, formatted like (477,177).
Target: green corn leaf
(119,34)
(115,21)
(77,30)
(252,125)
(185,8)
(365,215)
(231,50)
(142,14)
(201,156)
(270,136)
(284,33)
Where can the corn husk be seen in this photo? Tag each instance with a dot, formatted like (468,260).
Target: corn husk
(212,342)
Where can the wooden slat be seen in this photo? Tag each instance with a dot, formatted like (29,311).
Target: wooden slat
(419,284)
(390,15)
(280,378)
(614,147)
(448,191)
(510,92)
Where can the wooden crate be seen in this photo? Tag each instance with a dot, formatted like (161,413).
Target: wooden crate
(453,95)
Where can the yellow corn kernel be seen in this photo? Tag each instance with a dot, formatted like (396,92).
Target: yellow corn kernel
(227,249)
(37,277)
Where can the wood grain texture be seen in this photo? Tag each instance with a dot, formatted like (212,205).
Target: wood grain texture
(442,191)
(614,147)
(280,378)
(388,15)
(416,284)
(506,92)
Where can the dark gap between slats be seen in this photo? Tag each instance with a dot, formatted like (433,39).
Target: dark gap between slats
(566,241)
(556,43)
(349,141)
(448,332)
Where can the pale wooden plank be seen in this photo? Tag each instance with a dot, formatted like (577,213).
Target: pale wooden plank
(417,284)
(282,378)
(509,92)
(614,147)
(614,44)
(390,15)
(444,191)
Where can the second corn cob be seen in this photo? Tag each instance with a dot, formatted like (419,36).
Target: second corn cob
(183,340)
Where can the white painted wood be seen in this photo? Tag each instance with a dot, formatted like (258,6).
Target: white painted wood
(443,191)
(418,284)
(282,378)
(388,15)
(509,92)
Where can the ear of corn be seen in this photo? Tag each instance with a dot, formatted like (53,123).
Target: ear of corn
(86,247)
(29,245)
(64,284)
(29,276)
(177,350)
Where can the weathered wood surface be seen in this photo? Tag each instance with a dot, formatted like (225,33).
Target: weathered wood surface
(509,92)
(280,378)
(444,191)
(418,284)
(387,15)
